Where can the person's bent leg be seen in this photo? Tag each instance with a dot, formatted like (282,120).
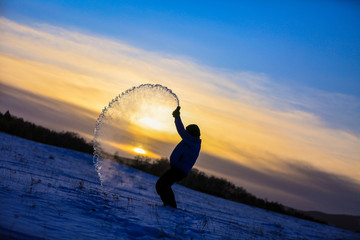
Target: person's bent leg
(163,185)
(163,188)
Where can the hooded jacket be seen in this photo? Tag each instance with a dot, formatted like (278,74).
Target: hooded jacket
(187,151)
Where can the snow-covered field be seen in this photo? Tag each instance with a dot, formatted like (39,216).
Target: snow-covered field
(53,193)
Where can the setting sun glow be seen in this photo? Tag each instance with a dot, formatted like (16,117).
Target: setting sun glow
(153,123)
(139,150)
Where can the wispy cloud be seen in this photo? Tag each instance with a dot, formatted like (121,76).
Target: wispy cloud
(48,112)
(244,116)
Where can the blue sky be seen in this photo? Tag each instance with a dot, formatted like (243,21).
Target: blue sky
(305,43)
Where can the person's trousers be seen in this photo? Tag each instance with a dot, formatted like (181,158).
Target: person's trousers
(163,185)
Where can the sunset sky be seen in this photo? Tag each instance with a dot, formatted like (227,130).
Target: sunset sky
(274,87)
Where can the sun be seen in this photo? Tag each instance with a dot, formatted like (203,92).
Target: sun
(139,150)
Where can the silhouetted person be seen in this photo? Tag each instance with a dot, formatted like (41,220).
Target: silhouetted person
(182,159)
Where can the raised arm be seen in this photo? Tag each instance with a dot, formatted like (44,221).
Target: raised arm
(180,126)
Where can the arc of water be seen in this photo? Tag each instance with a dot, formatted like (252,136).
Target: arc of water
(97,160)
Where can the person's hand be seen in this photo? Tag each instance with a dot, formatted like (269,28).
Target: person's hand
(176,113)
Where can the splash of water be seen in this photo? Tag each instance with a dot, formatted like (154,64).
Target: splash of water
(133,119)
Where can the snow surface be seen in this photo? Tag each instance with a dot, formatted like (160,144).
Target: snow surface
(48,192)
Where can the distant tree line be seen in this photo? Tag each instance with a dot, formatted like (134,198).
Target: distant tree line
(196,180)
(18,127)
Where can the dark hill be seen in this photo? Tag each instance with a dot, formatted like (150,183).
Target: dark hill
(342,221)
